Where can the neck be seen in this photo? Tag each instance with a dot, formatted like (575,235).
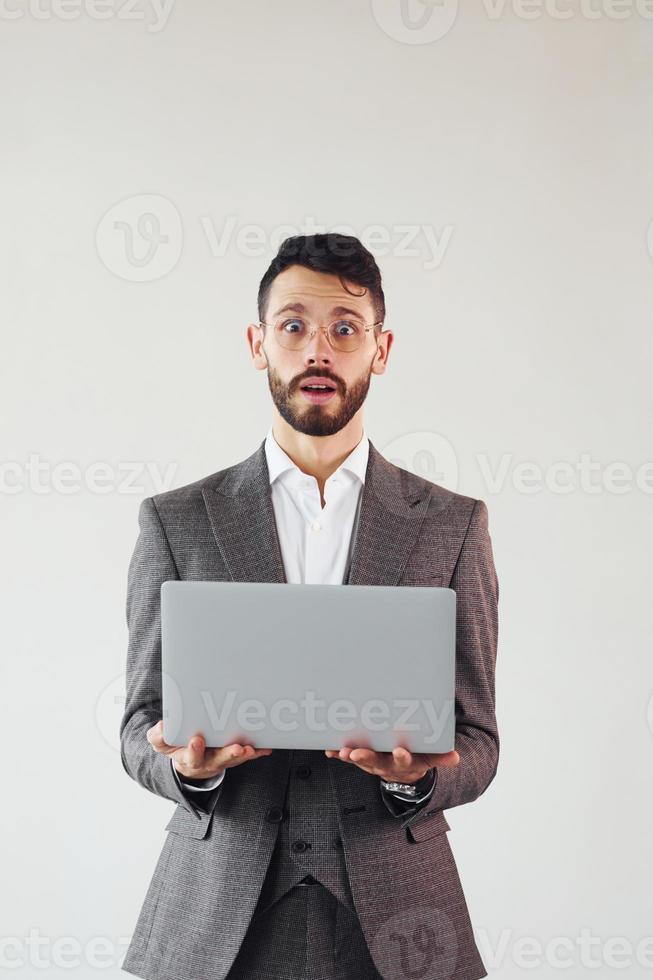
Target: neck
(317,456)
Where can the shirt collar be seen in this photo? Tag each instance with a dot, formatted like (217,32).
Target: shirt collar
(279,462)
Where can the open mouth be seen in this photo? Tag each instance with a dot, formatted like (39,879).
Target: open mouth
(318,391)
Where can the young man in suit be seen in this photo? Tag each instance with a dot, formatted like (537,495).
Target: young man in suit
(300,863)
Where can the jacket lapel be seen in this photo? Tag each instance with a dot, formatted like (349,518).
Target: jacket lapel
(242,519)
(239,505)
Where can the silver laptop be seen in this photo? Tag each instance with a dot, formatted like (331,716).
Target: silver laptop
(288,666)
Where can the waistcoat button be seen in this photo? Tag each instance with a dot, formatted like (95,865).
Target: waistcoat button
(274,814)
(300,845)
(303,771)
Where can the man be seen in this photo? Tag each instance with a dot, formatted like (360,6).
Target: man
(283,863)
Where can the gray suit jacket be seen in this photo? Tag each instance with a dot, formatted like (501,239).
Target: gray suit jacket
(212,865)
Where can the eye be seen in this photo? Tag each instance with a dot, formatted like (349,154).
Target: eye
(295,322)
(348,325)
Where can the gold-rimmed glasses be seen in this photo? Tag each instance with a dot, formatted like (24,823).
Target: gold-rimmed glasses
(343,334)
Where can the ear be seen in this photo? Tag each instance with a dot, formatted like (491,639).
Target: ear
(384,343)
(255,336)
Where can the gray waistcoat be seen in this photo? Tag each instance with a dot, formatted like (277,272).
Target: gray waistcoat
(308,840)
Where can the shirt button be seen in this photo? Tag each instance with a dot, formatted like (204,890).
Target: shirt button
(274,814)
(315,526)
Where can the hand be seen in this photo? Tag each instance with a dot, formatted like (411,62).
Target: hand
(398,766)
(195,761)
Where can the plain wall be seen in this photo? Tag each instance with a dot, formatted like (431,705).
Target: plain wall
(498,162)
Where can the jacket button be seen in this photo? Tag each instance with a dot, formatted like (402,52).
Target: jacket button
(303,771)
(274,814)
(300,845)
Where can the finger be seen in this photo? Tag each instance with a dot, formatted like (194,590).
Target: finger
(217,757)
(237,753)
(249,752)
(366,756)
(231,755)
(347,752)
(402,757)
(366,759)
(154,736)
(195,752)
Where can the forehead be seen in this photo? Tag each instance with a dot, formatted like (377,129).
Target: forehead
(318,291)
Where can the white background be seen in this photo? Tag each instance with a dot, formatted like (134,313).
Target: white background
(521,140)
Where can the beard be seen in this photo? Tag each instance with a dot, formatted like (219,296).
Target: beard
(317,420)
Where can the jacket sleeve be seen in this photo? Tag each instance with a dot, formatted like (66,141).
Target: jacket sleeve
(151,564)
(475,583)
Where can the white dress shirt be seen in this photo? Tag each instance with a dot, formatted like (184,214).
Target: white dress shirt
(316,542)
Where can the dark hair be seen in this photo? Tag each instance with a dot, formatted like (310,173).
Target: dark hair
(340,255)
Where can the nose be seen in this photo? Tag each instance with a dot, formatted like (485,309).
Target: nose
(318,350)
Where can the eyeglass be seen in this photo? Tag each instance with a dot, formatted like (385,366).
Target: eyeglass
(293,333)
